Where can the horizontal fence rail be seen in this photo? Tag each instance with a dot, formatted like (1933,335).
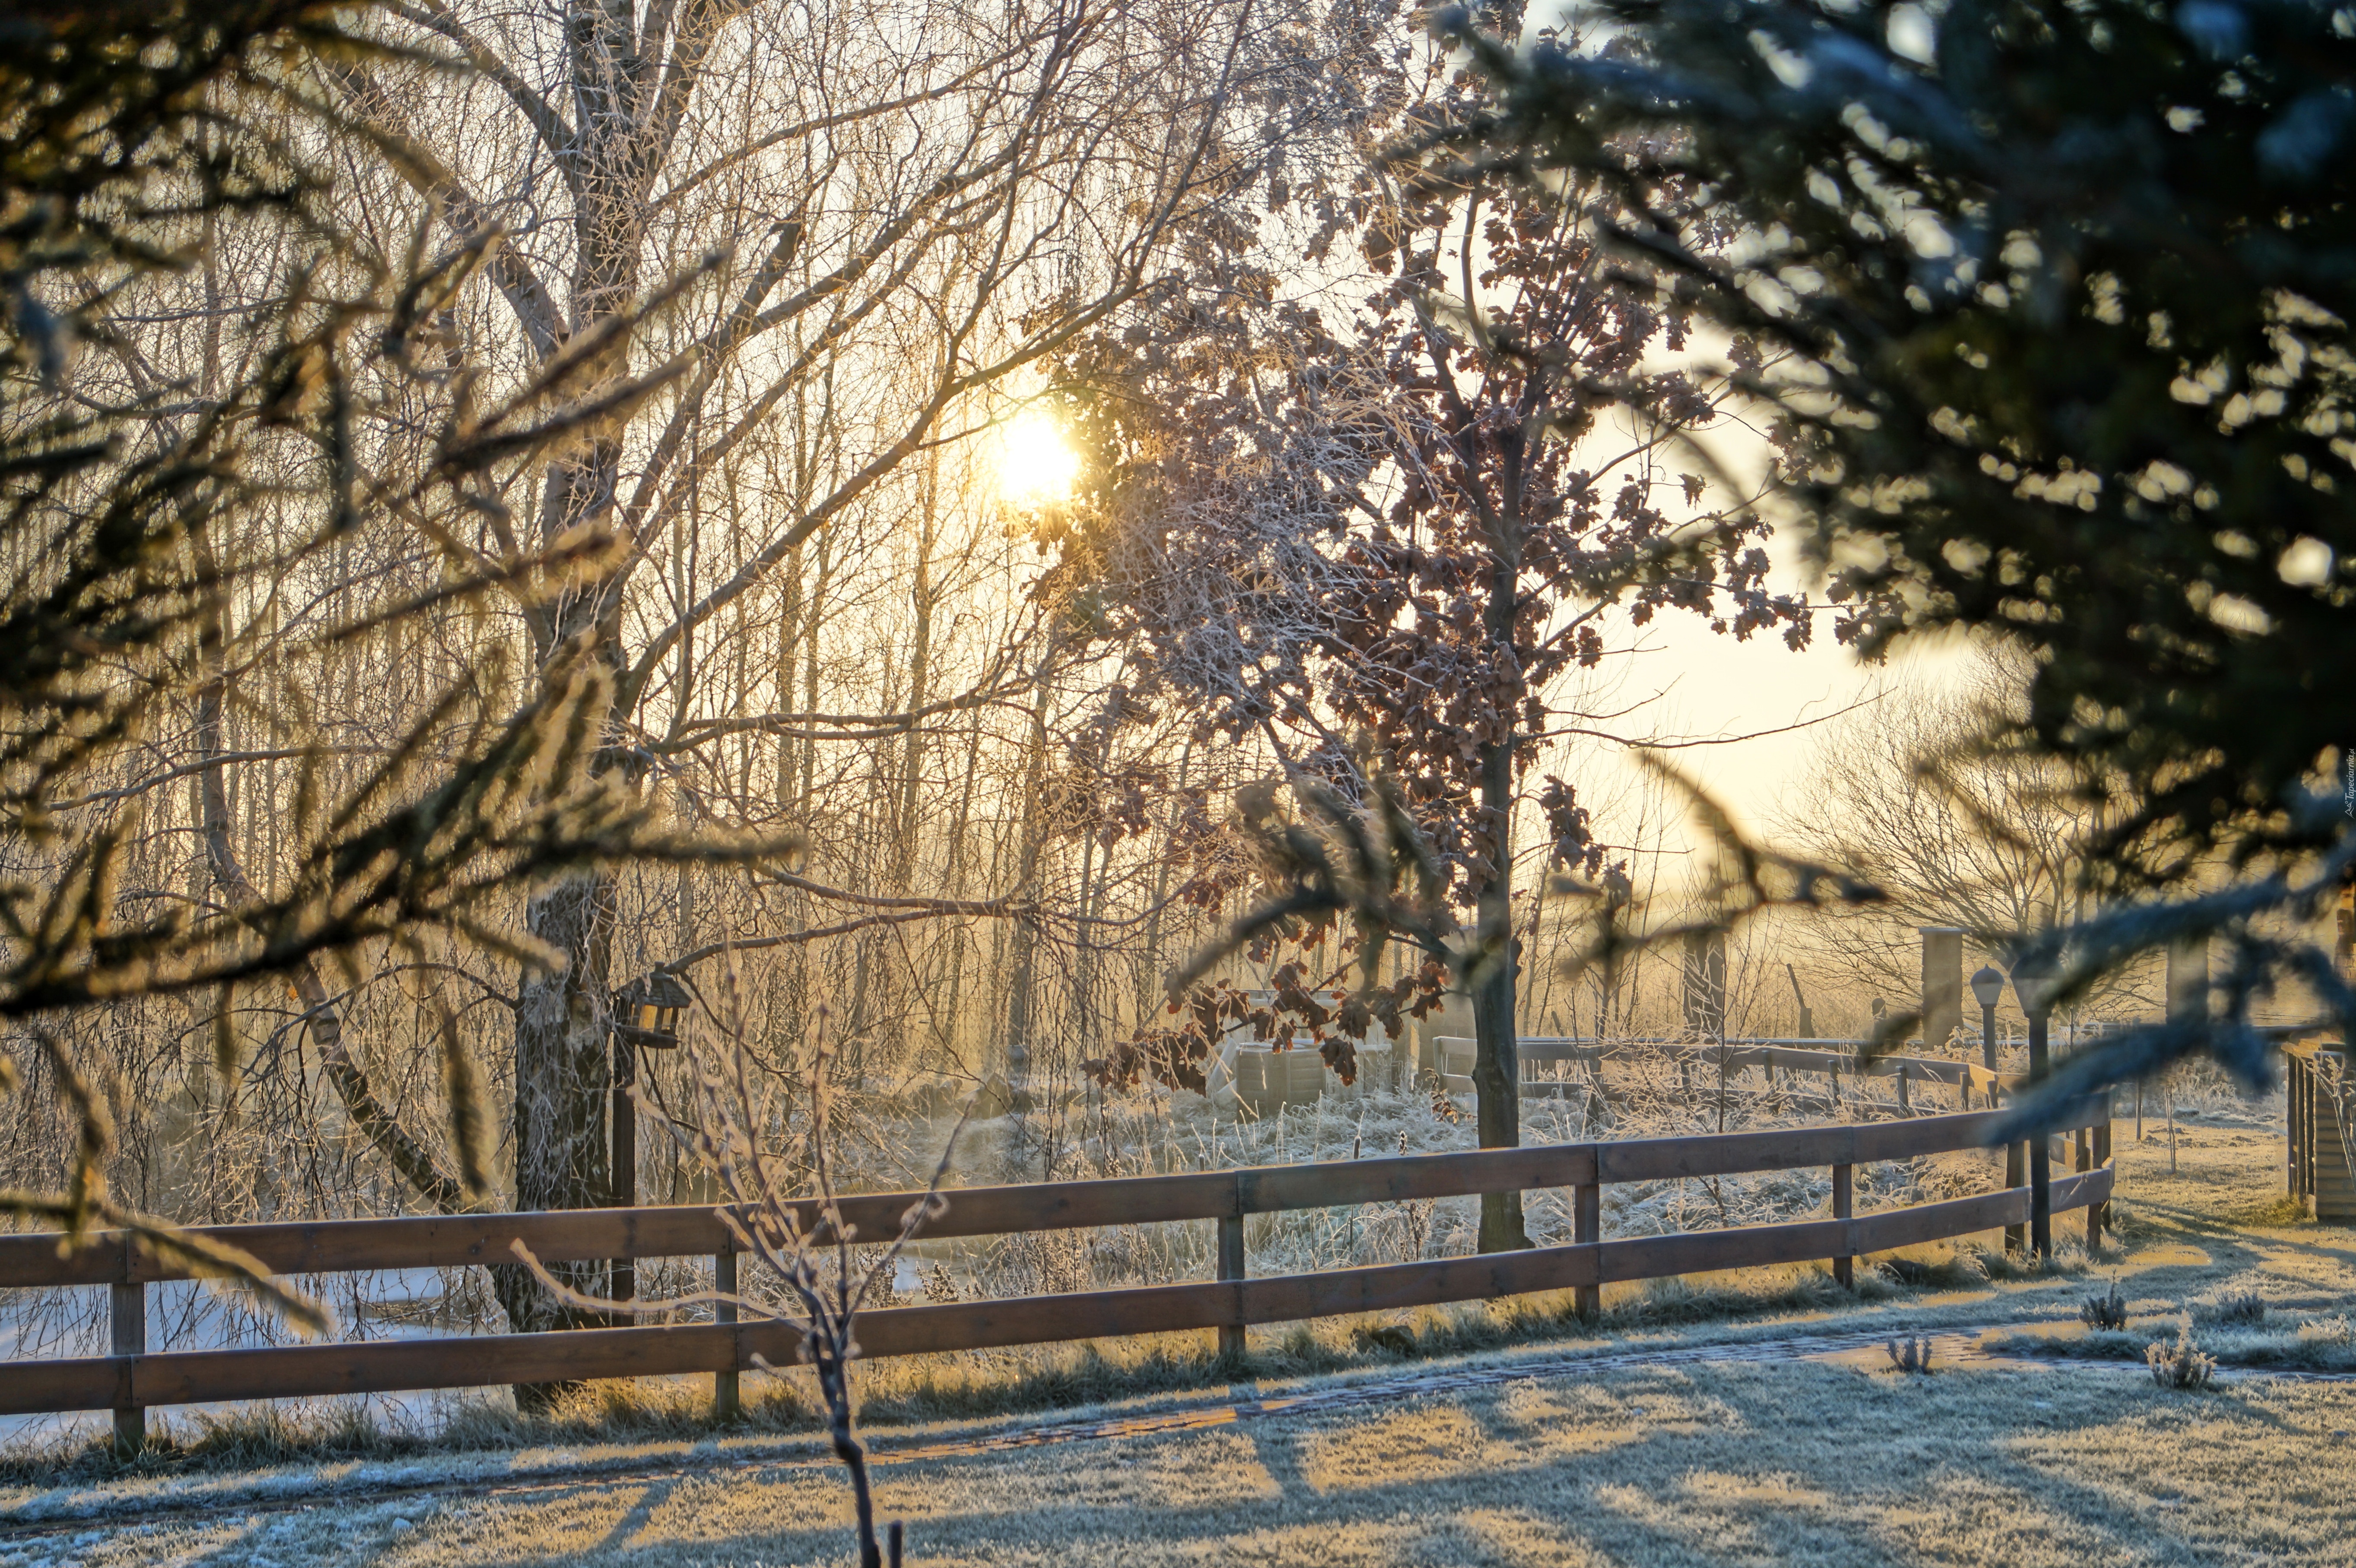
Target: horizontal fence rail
(1774,1055)
(130,1382)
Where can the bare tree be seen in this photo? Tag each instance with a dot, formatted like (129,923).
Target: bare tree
(1426,534)
(872,225)
(767,1139)
(1912,793)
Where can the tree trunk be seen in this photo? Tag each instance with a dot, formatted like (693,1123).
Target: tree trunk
(562,1091)
(948,1016)
(564,1085)
(1150,996)
(563,1071)
(789,616)
(912,764)
(1030,853)
(1496,1061)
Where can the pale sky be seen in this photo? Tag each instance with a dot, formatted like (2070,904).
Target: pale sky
(1717,687)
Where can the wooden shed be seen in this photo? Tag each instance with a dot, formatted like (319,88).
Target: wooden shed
(2322,1104)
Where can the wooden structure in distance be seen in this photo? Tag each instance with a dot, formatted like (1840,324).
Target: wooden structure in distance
(2321,1101)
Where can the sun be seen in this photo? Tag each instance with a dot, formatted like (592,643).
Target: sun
(1036,466)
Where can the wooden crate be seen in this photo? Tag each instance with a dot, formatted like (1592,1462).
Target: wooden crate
(1268,1079)
(1452,1058)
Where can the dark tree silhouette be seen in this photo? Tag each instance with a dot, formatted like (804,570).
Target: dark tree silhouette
(132,140)
(2052,302)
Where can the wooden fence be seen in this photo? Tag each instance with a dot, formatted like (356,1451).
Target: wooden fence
(1729,1057)
(133,1378)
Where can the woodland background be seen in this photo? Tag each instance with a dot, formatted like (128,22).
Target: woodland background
(1054,423)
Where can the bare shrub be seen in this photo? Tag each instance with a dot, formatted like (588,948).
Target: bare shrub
(1415,1225)
(2245,1308)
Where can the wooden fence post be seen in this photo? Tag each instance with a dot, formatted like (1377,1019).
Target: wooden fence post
(1586,1228)
(2016,1174)
(1844,1266)
(2102,1159)
(726,1386)
(1905,1100)
(127,1318)
(2041,1152)
(2082,1159)
(623,1148)
(1231,1266)
(2041,1197)
(2297,1083)
(2094,1153)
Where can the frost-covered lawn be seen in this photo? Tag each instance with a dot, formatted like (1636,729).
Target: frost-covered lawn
(1790,1463)
(1782,1461)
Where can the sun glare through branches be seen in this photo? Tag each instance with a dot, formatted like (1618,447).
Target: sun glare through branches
(1035,464)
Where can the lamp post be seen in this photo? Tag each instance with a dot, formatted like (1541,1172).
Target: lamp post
(1988,990)
(645,1017)
(2033,982)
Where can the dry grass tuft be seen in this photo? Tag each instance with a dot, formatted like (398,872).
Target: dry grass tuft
(2314,1344)
(2068,1262)
(2185,1366)
(1939,1266)
(1910,1355)
(2106,1312)
(2246,1308)
(243,1439)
